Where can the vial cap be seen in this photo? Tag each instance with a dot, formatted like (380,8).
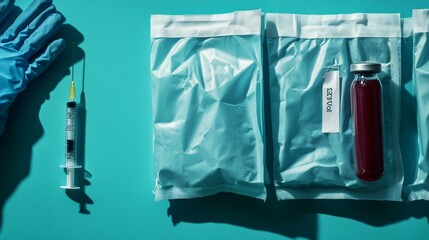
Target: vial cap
(365,67)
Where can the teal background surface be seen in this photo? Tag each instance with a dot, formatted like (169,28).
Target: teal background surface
(112,60)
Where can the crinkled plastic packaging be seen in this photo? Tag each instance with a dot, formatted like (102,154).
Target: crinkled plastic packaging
(419,188)
(208,134)
(304,51)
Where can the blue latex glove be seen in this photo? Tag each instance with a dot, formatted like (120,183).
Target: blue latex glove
(20,58)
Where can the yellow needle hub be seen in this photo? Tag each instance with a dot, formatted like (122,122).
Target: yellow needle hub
(72,92)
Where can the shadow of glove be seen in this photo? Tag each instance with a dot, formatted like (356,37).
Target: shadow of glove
(27,49)
(5,8)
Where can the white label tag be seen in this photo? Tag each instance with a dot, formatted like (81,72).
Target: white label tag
(331,102)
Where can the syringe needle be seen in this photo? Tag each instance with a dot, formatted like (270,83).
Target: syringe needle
(72,61)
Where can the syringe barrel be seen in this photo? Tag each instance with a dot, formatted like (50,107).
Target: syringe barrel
(71,135)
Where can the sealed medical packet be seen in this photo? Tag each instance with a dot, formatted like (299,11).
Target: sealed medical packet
(313,155)
(419,188)
(207,96)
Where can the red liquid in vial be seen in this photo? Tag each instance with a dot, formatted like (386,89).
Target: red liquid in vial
(368,127)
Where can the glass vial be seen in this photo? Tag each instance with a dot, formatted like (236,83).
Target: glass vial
(367,115)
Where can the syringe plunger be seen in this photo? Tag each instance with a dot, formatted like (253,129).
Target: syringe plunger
(70,184)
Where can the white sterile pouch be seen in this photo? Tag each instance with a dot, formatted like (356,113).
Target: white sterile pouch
(309,58)
(208,134)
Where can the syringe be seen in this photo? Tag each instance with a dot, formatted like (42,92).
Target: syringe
(71,138)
